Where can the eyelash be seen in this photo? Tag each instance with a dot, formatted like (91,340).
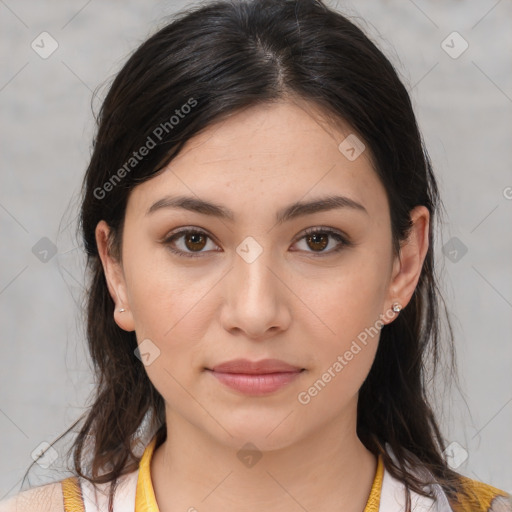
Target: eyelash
(344,242)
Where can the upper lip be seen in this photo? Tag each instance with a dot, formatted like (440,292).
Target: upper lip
(255,367)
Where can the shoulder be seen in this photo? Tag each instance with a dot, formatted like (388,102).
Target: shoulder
(481,497)
(43,498)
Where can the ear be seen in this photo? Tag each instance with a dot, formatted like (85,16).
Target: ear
(408,264)
(114,277)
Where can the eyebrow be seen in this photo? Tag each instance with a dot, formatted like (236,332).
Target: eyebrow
(290,212)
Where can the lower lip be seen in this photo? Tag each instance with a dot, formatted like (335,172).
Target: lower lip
(260,384)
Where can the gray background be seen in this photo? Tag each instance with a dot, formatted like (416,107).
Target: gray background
(464,108)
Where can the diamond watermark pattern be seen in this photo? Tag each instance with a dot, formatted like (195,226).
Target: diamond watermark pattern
(147,352)
(455,455)
(249,249)
(44,45)
(44,249)
(351,147)
(45,455)
(249,455)
(454,45)
(454,249)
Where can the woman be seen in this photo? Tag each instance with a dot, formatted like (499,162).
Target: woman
(263,313)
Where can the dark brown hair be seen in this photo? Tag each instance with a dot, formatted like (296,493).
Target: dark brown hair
(219,58)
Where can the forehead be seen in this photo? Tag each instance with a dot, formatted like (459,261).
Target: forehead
(265,156)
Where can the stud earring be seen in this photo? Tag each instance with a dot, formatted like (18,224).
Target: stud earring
(122,310)
(397,307)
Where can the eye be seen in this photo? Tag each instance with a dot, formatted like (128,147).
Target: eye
(194,241)
(318,239)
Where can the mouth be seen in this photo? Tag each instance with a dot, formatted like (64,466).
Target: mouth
(255,378)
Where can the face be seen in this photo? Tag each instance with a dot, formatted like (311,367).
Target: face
(201,289)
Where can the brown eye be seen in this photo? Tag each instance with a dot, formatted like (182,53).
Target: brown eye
(317,239)
(194,242)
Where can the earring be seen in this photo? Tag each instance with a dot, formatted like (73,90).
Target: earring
(122,310)
(397,307)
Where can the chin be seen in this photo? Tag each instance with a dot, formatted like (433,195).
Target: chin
(265,431)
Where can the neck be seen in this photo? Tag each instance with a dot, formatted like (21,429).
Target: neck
(328,470)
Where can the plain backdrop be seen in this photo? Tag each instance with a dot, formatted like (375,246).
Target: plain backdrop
(455,58)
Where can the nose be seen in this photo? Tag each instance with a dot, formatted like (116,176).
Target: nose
(256,298)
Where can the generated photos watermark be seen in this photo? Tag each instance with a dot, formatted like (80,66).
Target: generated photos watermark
(342,360)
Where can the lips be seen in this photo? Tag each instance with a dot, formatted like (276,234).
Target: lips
(255,378)
(265,366)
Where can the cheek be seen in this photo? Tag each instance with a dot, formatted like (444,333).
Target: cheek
(344,352)
(353,298)
(349,307)
(175,317)
(163,297)
(350,346)
(170,309)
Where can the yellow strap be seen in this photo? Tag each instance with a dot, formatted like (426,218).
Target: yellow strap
(72,494)
(145,496)
(145,500)
(373,503)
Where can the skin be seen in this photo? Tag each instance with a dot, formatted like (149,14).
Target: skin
(293,302)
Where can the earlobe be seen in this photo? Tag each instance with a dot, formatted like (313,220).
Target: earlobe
(114,278)
(124,319)
(408,266)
